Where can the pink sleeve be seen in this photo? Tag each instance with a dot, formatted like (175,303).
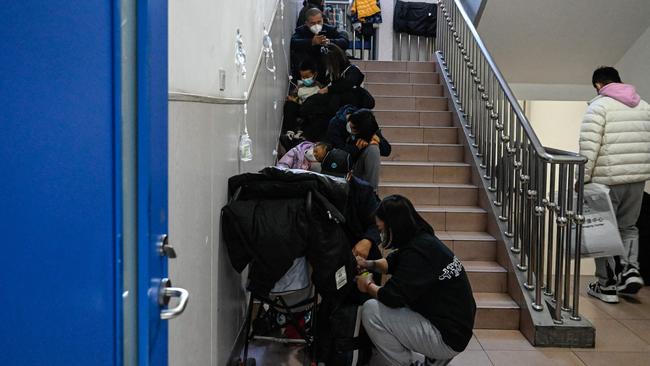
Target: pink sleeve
(288,160)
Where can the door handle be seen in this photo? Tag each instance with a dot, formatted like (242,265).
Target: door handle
(164,249)
(166,293)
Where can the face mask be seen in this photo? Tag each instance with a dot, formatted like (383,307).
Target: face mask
(308,82)
(316,28)
(309,155)
(348,128)
(385,239)
(315,166)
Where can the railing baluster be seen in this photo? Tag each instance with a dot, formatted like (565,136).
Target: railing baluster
(567,255)
(579,220)
(550,208)
(559,260)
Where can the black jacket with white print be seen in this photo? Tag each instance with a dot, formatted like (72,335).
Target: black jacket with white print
(428,278)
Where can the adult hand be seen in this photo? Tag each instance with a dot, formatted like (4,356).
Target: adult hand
(292,98)
(363,282)
(319,40)
(361,144)
(323,91)
(362,263)
(375,140)
(362,248)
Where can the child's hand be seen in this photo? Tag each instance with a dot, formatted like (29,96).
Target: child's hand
(361,144)
(292,98)
(323,91)
(375,140)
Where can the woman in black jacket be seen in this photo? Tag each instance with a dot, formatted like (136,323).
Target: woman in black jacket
(427,305)
(343,79)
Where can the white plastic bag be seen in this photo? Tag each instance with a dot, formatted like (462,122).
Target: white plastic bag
(600,236)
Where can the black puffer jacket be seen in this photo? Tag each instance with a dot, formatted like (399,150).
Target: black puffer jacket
(272,219)
(416,18)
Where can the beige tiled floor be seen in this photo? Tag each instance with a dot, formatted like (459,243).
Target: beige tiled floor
(622,338)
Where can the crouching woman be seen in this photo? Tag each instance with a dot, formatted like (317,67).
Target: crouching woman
(426,307)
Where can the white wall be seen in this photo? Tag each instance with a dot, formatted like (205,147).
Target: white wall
(203,154)
(634,66)
(202,40)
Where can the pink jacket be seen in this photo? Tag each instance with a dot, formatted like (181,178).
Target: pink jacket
(295,158)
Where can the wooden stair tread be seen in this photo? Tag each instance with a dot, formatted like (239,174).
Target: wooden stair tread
(435,208)
(427,185)
(483,266)
(493,300)
(423,163)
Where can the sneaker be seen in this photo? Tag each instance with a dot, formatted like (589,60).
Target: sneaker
(630,282)
(605,293)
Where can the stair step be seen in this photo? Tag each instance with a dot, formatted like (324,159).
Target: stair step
(454,218)
(470,246)
(410,103)
(424,172)
(413,118)
(405,90)
(426,152)
(396,66)
(404,77)
(495,311)
(420,134)
(486,276)
(433,193)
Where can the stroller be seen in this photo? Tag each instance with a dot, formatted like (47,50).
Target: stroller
(287,315)
(285,257)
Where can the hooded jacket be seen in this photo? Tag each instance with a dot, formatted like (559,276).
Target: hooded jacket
(615,137)
(295,158)
(272,219)
(338,135)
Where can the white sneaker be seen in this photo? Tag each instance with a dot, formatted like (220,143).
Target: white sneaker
(607,294)
(630,282)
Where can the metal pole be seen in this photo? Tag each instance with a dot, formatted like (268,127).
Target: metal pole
(579,220)
(559,258)
(550,208)
(568,236)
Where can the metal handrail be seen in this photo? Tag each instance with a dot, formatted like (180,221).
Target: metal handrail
(531,185)
(528,129)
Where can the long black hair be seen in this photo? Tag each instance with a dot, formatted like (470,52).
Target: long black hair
(401,221)
(336,61)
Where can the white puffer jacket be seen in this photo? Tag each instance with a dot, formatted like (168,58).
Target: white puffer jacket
(615,137)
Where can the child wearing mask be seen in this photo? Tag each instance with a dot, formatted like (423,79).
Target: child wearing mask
(307,85)
(306,156)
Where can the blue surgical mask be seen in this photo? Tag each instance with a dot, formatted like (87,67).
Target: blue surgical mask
(308,82)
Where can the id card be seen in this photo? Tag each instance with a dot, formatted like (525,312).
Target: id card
(341,278)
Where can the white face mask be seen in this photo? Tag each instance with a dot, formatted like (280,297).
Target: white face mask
(348,128)
(316,28)
(309,155)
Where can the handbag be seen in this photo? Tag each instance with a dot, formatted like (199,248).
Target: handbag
(600,236)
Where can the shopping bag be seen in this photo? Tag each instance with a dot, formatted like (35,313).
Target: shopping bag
(600,236)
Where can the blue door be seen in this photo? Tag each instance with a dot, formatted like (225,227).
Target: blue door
(65,192)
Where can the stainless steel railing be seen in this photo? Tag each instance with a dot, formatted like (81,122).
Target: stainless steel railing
(532,186)
(407,47)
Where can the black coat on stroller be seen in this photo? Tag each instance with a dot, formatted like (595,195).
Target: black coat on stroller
(276,216)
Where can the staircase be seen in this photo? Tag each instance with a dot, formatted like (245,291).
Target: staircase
(428,166)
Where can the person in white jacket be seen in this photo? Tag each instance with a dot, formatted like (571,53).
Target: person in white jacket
(615,138)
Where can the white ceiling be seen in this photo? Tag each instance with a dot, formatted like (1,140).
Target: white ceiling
(560,41)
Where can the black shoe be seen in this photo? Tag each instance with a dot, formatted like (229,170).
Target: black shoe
(607,294)
(630,282)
